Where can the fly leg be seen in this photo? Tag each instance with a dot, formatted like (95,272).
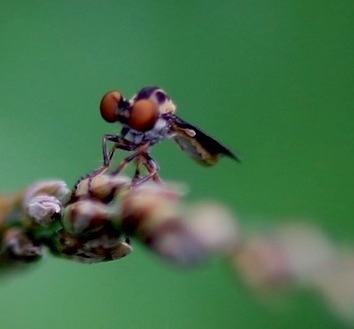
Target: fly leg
(119,143)
(138,152)
(152,168)
(137,174)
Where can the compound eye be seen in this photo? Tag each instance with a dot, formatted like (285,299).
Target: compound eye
(110,105)
(143,115)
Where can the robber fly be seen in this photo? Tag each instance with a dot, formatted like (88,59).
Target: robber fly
(148,118)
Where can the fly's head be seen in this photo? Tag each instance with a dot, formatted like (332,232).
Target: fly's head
(114,107)
(140,115)
(146,115)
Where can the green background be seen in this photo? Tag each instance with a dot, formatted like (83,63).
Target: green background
(272,79)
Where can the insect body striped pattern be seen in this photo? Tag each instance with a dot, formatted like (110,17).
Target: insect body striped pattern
(146,119)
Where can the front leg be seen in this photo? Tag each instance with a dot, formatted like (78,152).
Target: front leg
(152,168)
(137,152)
(137,174)
(119,143)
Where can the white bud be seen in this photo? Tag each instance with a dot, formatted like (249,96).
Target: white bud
(214,226)
(43,209)
(51,187)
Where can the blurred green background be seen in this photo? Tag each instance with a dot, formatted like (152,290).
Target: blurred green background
(272,79)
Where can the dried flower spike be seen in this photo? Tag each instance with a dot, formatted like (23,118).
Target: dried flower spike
(184,235)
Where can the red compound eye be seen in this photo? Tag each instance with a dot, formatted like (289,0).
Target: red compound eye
(110,105)
(143,115)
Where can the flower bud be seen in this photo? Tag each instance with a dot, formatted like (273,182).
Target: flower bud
(291,253)
(42,210)
(18,246)
(152,214)
(51,187)
(42,203)
(94,248)
(102,187)
(336,286)
(214,226)
(86,216)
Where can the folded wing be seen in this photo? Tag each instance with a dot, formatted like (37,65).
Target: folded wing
(198,145)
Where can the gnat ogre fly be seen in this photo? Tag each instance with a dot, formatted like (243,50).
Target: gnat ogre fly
(146,119)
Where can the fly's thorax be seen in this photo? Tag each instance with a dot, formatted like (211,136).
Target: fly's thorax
(159,132)
(158,96)
(168,106)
